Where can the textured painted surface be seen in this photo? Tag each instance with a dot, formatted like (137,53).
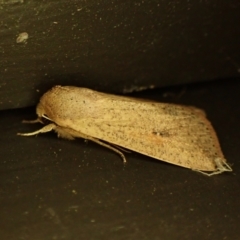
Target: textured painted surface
(51,188)
(114,46)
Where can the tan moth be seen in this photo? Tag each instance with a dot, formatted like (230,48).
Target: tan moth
(171,133)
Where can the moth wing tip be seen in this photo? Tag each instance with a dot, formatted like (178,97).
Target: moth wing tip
(221,167)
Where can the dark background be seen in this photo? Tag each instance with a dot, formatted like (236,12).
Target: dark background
(52,188)
(116,46)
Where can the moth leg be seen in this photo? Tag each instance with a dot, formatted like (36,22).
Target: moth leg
(222,166)
(109,147)
(120,148)
(47,128)
(70,134)
(38,120)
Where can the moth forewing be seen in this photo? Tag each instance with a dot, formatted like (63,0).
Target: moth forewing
(174,140)
(172,133)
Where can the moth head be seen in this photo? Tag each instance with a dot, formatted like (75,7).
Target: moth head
(54,105)
(43,113)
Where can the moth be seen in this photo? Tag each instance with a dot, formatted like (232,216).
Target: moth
(176,134)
